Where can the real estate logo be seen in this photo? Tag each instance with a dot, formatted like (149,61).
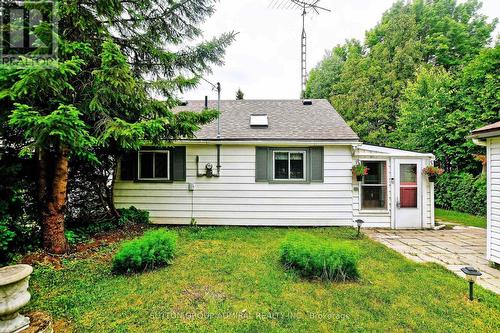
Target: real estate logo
(28,31)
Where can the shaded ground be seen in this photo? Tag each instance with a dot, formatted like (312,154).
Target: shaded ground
(84,250)
(231,280)
(461,246)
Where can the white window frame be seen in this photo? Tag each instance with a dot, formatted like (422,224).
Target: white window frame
(303,152)
(154,164)
(375,210)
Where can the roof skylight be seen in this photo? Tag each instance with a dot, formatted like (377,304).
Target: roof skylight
(258,120)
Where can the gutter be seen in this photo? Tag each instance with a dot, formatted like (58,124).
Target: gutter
(479,142)
(271,142)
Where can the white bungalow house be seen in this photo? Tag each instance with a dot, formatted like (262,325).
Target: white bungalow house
(489,136)
(279,163)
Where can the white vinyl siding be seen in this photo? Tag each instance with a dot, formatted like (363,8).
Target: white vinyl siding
(493,231)
(235,198)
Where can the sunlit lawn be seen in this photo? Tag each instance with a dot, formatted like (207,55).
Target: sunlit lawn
(462,218)
(231,280)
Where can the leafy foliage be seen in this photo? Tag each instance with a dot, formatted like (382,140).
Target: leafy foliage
(439,110)
(154,249)
(462,192)
(366,86)
(133,215)
(6,235)
(313,257)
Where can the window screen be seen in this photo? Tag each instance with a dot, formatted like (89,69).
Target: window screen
(374,186)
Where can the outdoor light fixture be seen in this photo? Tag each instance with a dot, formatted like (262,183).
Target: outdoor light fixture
(471,275)
(359,222)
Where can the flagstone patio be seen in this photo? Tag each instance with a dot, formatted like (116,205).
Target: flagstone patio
(454,249)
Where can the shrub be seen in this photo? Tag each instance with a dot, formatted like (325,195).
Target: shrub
(313,257)
(154,249)
(461,191)
(79,230)
(75,236)
(6,237)
(133,215)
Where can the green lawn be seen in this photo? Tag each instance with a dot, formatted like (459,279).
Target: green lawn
(231,280)
(458,217)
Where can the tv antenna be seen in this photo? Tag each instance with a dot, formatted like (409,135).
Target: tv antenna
(306,6)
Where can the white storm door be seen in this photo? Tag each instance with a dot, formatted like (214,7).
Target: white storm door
(408,197)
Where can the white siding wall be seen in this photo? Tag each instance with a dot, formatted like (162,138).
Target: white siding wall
(493,233)
(236,199)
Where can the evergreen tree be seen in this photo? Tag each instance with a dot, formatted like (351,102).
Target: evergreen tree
(95,100)
(239,94)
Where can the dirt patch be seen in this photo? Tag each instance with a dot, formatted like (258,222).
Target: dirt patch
(40,322)
(84,250)
(201,294)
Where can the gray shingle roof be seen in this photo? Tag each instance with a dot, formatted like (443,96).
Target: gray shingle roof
(288,120)
(487,128)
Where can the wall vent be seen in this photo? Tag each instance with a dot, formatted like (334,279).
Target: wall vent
(307,102)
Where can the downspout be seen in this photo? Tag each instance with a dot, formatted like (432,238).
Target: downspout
(218,130)
(218,161)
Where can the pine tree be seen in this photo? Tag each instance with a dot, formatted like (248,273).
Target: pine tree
(96,98)
(239,94)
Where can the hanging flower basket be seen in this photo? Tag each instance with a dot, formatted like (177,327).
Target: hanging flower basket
(432,172)
(359,170)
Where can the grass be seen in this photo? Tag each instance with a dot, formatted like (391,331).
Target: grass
(461,218)
(231,280)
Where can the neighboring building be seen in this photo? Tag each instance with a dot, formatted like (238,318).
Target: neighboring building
(489,136)
(280,163)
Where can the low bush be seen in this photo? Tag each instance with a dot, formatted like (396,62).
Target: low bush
(316,258)
(80,230)
(462,192)
(154,249)
(133,215)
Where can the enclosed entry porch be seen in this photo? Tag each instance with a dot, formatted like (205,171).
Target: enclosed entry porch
(394,194)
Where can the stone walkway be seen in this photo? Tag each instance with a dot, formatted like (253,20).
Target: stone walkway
(454,249)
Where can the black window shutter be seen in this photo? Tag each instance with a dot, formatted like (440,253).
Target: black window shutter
(261,173)
(128,166)
(178,163)
(316,164)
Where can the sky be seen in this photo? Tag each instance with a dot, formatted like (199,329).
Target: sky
(264,60)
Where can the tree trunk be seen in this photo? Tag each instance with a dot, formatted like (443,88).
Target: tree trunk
(111,191)
(54,239)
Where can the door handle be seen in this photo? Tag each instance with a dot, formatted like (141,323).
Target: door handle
(398,204)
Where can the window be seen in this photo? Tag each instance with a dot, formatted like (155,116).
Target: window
(374,186)
(154,164)
(408,185)
(289,165)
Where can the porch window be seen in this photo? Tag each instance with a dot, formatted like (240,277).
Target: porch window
(374,186)
(289,165)
(154,164)
(408,185)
